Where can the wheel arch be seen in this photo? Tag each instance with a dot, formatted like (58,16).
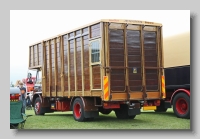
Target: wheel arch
(36,96)
(179,91)
(72,101)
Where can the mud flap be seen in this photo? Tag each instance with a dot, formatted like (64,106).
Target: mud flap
(134,109)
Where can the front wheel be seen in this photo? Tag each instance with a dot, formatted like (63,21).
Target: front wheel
(181,105)
(37,107)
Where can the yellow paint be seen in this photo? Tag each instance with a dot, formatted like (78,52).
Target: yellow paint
(163,87)
(106,88)
(149,108)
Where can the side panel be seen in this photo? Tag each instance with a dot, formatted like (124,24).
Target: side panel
(35,56)
(177,77)
(70,67)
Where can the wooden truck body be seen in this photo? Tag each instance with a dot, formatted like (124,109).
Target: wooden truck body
(107,65)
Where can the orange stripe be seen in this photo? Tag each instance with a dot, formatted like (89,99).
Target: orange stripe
(105,85)
(163,87)
(106,96)
(106,88)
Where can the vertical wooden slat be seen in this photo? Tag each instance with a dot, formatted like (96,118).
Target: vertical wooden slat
(50,68)
(158,58)
(29,56)
(102,53)
(126,63)
(90,67)
(68,53)
(82,64)
(44,67)
(75,70)
(33,56)
(55,65)
(161,47)
(162,54)
(37,54)
(62,65)
(143,63)
(107,51)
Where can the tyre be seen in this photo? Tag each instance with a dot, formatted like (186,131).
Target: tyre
(105,111)
(37,107)
(78,110)
(122,113)
(181,105)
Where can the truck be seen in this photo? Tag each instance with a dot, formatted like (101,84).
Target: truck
(108,65)
(177,75)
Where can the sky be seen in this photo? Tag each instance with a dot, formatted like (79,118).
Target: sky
(30,26)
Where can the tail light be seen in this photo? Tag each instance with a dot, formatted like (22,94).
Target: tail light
(14,97)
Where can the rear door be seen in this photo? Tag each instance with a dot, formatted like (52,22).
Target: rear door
(134,65)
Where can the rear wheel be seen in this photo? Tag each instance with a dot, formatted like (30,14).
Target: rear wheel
(122,113)
(78,110)
(37,107)
(181,105)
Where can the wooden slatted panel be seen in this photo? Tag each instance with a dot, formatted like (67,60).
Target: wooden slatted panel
(47,63)
(116,44)
(134,60)
(95,30)
(58,51)
(150,54)
(96,75)
(65,42)
(52,67)
(40,53)
(35,55)
(86,63)
(72,78)
(78,64)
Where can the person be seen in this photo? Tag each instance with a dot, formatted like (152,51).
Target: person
(23,96)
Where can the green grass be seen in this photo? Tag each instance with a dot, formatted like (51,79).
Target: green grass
(146,120)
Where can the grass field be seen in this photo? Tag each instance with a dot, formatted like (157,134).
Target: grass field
(146,120)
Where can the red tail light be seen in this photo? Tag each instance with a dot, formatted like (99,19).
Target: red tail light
(14,97)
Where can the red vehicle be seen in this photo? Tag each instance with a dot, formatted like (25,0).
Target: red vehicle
(29,83)
(177,75)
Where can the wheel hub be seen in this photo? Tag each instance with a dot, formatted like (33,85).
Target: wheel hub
(77,110)
(181,106)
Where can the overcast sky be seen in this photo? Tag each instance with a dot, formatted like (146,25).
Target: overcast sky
(28,27)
